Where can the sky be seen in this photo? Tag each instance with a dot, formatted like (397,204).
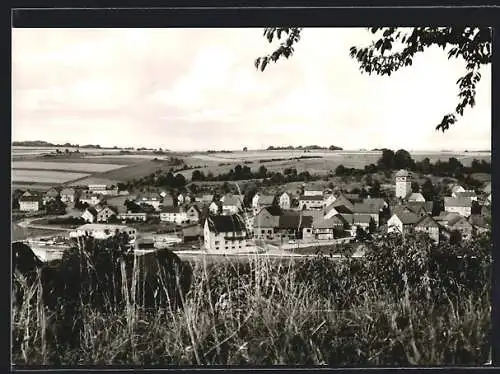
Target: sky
(198,89)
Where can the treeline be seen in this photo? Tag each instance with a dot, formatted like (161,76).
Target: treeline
(307,147)
(245,173)
(401,159)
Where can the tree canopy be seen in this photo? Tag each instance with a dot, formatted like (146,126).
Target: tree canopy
(473,44)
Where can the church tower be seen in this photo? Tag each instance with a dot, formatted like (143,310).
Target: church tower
(403,183)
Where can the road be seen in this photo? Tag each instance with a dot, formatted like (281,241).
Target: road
(26,223)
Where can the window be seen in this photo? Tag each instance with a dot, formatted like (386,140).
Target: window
(217,248)
(217,242)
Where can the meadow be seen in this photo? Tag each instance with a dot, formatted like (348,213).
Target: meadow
(45,176)
(406,303)
(65,166)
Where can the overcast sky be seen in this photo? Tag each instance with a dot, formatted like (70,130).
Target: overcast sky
(198,89)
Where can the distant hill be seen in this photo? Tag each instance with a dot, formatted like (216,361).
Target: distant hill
(307,147)
(42,143)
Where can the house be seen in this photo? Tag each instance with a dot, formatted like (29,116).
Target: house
(266,222)
(455,189)
(224,233)
(487,201)
(429,226)
(231,205)
(328,199)
(324,229)
(486,210)
(294,225)
(363,221)
(207,199)
(193,214)
(90,198)
(479,223)
(105,214)
(460,224)
(150,198)
(445,217)
(402,222)
(487,188)
(311,202)
(461,206)
(51,194)
(180,199)
(285,200)
(466,195)
(167,200)
(103,231)
(313,191)
(342,204)
(420,208)
(103,189)
(188,199)
(175,215)
(376,201)
(129,216)
(68,195)
(403,183)
(259,201)
(416,197)
(30,203)
(215,207)
(190,233)
(373,210)
(90,215)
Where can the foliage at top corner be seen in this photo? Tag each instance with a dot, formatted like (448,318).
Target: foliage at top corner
(381,57)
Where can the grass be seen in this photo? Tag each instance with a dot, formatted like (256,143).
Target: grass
(45,176)
(265,312)
(66,166)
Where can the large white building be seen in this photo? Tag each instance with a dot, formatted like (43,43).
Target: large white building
(103,231)
(30,203)
(224,233)
(403,183)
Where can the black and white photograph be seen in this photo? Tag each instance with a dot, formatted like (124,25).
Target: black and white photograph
(250,197)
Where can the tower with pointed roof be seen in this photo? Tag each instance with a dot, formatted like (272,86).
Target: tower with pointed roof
(403,184)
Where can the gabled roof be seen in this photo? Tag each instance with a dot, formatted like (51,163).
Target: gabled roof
(342,201)
(289,221)
(68,191)
(274,210)
(170,209)
(408,218)
(362,218)
(195,207)
(230,200)
(317,215)
(456,220)
(352,197)
(487,188)
(346,217)
(377,201)
(457,188)
(366,208)
(457,202)
(52,192)
(325,223)
(416,196)
(402,173)
(427,221)
(478,221)
(92,211)
(310,198)
(207,198)
(466,194)
(232,223)
(266,199)
(29,198)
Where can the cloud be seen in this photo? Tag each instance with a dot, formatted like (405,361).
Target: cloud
(198,88)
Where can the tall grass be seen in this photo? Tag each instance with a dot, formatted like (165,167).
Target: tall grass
(265,312)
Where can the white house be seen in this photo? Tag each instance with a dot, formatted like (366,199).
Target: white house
(105,214)
(230,205)
(466,195)
(403,183)
(90,198)
(285,201)
(260,201)
(213,207)
(224,233)
(68,195)
(150,198)
(103,231)
(180,199)
(313,191)
(402,222)
(193,214)
(311,202)
(90,215)
(462,206)
(30,203)
(129,216)
(174,215)
(456,189)
(329,199)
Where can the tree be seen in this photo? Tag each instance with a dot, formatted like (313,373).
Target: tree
(387,160)
(415,187)
(245,149)
(455,237)
(473,44)
(375,190)
(428,191)
(403,160)
(55,206)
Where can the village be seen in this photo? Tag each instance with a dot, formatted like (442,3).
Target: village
(285,221)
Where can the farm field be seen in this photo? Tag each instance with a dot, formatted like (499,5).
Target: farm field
(45,176)
(66,166)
